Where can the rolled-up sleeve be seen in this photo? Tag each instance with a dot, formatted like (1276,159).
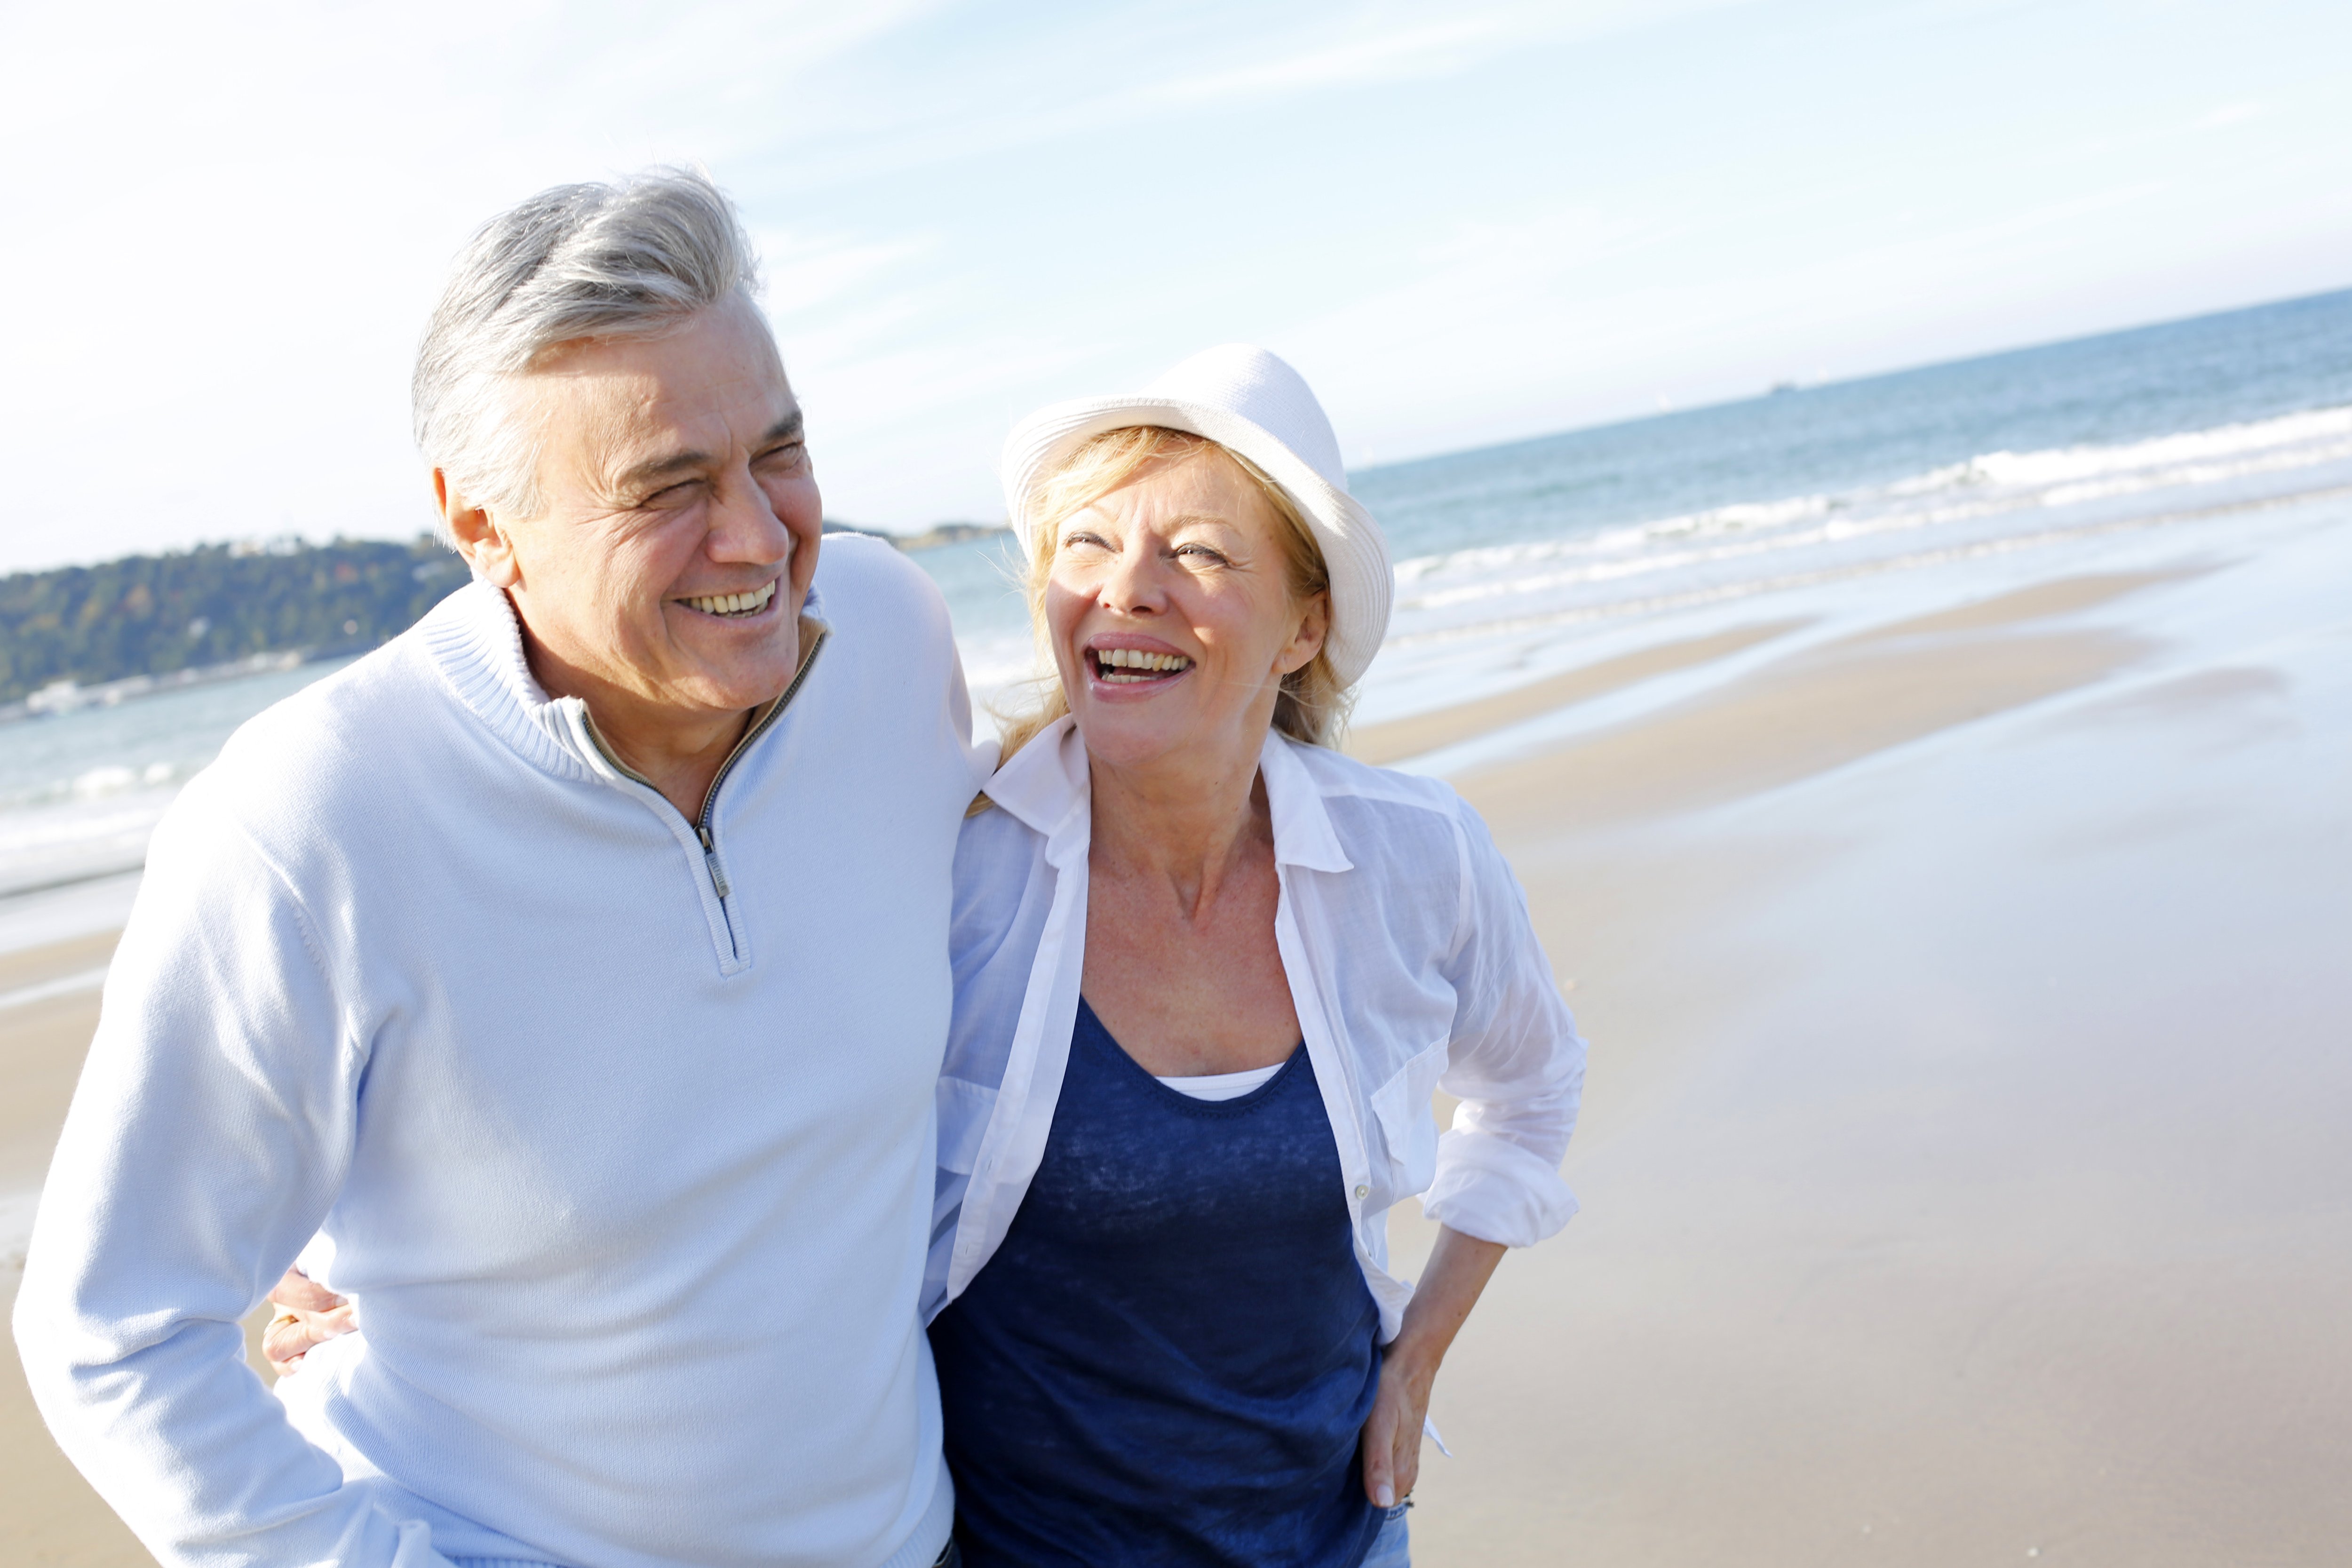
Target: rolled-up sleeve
(1516,1062)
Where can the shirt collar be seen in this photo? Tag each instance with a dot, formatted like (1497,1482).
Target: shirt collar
(1046,787)
(1302,835)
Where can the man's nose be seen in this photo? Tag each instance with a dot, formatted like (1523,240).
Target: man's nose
(744,526)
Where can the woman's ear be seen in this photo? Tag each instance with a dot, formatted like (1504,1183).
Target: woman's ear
(477,534)
(1307,638)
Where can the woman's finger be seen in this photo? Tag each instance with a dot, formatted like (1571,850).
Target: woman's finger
(300,1293)
(1410,1405)
(285,1342)
(1406,1466)
(288,1339)
(1380,1451)
(293,1335)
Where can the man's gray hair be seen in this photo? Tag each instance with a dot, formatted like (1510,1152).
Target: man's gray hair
(633,258)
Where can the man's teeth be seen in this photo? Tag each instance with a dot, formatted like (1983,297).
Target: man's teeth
(1129,664)
(750,603)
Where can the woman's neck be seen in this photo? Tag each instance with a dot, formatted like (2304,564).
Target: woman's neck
(1185,820)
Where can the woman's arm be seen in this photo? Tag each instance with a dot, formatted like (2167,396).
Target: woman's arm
(1459,1267)
(1515,1061)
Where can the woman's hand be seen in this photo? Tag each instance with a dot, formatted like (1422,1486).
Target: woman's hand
(1459,1267)
(1392,1436)
(310,1315)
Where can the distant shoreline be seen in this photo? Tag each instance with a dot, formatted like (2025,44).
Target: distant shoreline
(932,538)
(69,696)
(383,588)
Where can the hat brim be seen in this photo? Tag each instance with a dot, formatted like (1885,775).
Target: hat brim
(1355,554)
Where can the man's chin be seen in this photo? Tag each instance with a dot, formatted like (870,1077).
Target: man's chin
(731,685)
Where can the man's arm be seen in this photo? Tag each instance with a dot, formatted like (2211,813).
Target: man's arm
(207,1141)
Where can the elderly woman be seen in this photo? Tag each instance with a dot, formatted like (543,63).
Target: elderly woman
(1208,972)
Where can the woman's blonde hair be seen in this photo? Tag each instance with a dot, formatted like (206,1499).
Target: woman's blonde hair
(1313,703)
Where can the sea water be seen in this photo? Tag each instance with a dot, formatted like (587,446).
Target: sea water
(1553,543)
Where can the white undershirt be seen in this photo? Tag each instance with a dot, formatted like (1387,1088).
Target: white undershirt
(1224,1085)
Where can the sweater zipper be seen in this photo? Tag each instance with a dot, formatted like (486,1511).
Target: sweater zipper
(703,830)
(704,827)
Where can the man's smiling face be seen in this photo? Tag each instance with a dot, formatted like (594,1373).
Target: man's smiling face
(665,575)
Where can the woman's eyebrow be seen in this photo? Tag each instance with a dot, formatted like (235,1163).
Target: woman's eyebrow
(1200,520)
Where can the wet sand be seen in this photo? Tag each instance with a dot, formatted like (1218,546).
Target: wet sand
(48,1515)
(1400,739)
(1962,1168)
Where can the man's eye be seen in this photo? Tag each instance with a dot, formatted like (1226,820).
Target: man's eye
(784,457)
(673,495)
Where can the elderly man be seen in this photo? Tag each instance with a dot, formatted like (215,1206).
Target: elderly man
(574,967)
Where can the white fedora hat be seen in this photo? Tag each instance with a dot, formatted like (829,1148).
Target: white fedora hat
(1246,400)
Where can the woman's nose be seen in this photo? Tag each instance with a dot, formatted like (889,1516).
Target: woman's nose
(1133,583)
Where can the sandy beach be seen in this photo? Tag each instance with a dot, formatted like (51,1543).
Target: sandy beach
(47,1514)
(1962,954)
(1960,1170)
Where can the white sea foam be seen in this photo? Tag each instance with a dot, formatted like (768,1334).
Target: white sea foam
(85,804)
(1990,497)
(1991,505)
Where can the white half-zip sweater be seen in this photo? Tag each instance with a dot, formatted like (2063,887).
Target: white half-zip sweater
(625,1145)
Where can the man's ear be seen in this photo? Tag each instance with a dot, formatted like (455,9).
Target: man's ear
(477,534)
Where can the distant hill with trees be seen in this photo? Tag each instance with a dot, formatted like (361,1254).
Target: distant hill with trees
(214,604)
(178,615)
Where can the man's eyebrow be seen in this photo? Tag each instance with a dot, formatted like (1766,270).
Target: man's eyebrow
(646,472)
(788,428)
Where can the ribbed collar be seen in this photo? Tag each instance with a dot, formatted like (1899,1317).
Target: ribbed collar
(1046,786)
(475,642)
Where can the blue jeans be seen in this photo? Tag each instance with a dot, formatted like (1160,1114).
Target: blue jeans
(1390,1547)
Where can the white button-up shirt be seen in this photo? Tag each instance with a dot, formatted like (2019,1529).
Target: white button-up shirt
(1412,963)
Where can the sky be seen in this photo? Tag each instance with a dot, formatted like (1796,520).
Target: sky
(1466,223)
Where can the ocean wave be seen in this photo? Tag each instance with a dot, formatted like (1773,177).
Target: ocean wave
(99,782)
(1991,491)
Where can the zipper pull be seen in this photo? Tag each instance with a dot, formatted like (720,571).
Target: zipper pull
(710,859)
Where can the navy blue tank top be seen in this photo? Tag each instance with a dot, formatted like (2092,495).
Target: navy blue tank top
(1172,1357)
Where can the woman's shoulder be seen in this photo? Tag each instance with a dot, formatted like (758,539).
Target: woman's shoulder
(1335,769)
(997,856)
(1361,798)
(989,831)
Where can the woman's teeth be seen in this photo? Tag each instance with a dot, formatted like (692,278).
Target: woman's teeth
(750,603)
(1125,666)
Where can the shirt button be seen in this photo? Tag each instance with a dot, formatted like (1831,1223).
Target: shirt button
(1362,1191)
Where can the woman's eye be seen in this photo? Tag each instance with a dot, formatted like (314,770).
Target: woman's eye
(1083,542)
(1201,554)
